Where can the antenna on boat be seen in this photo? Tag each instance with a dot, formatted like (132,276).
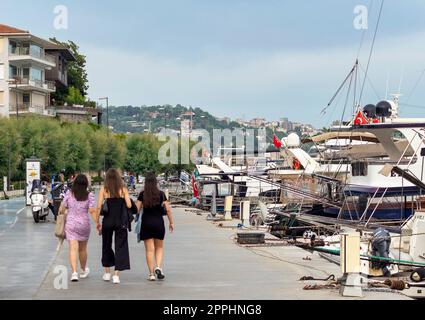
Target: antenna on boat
(387,85)
(394,109)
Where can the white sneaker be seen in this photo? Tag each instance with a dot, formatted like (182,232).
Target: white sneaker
(116,279)
(160,275)
(84,274)
(106,277)
(151,277)
(74,277)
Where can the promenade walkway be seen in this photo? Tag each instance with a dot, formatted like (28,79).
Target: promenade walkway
(202,262)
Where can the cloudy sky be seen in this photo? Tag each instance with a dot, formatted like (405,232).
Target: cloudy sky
(240,58)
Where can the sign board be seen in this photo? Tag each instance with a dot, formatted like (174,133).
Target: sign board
(5,184)
(33,172)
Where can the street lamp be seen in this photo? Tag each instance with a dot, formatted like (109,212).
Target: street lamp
(16,81)
(107,111)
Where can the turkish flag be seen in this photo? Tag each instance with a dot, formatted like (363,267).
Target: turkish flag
(360,119)
(277,143)
(195,188)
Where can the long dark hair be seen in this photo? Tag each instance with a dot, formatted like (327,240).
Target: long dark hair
(151,192)
(80,188)
(113,183)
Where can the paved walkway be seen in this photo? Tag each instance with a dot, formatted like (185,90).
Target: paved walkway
(26,250)
(202,262)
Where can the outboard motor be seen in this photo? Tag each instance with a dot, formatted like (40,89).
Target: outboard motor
(381,242)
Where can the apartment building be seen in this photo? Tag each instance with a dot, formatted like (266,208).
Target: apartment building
(23,67)
(62,56)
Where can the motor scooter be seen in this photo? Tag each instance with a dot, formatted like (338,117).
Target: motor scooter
(39,201)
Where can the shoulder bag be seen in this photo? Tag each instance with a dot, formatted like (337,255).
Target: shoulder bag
(60,223)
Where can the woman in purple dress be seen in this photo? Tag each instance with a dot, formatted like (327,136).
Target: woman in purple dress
(80,203)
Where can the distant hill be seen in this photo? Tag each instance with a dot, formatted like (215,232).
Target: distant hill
(129,119)
(139,119)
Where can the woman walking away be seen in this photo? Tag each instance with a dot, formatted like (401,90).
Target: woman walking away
(114,201)
(79,203)
(152,231)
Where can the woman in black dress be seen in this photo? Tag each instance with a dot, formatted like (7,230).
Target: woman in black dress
(155,205)
(114,225)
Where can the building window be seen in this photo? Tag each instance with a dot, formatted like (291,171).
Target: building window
(26,73)
(12,47)
(26,98)
(359,169)
(36,51)
(13,72)
(36,74)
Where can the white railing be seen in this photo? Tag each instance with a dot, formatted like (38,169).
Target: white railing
(23,51)
(47,85)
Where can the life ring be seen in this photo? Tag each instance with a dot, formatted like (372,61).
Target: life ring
(296,165)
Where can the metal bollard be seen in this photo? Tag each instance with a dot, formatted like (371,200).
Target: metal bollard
(245,212)
(228,204)
(351,282)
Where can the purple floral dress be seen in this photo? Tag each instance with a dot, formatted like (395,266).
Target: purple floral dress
(77,226)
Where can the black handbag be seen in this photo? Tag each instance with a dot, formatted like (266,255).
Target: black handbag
(128,215)
(105,208)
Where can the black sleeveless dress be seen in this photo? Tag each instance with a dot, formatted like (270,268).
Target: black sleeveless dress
(113,230)
(152,226)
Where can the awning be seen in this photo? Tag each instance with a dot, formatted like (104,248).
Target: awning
(369,151)
(360,136)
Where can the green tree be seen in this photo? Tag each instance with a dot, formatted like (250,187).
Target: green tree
(10,147)
(115,151)
(54,146)
(77,74)
(99,144)
(74,97)
(78,150)
(142,154)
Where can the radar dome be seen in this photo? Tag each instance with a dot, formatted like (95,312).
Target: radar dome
(385,108)
(293,141)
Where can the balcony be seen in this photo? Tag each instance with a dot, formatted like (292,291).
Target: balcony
(37,85)
(27,108)
(23,54)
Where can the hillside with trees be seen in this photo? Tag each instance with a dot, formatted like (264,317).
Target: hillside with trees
(138,119)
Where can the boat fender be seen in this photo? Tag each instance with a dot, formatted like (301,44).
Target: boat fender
(418,275)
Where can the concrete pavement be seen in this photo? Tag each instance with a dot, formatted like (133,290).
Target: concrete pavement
(26,250)
(202,262)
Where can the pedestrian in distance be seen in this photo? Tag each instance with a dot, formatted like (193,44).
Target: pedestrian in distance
(113,203)
(152,231)
(81,205)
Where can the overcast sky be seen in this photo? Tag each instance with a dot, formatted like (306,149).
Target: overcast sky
(240,58)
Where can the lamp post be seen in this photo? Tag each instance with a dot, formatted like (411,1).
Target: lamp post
(191,119)
(107,111)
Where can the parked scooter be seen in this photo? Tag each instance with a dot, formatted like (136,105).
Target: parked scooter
(39,201)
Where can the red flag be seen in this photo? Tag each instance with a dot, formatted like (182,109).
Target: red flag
(360,119)
(195,188)
(277,143)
